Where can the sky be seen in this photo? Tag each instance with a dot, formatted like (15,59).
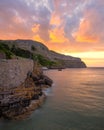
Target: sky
(70,27)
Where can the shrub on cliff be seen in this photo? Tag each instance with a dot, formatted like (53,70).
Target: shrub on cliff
(5,48)
(33,48)
(44,61)
(21,52)
(25,54)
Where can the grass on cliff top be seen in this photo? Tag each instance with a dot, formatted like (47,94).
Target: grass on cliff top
(15,51)
(27,54)
(44,61)
(5,49)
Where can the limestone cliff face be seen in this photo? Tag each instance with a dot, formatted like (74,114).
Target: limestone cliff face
(67,61)
(19,98)
(38,48)
(14,72)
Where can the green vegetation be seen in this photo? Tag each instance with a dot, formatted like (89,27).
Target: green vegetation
(44,61)
(33,48)
(15,51)
(5,48)
(21,52)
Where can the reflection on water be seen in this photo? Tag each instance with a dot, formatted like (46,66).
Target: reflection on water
(75,102)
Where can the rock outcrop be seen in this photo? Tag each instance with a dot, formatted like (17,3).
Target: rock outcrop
(14,72)
(67,61)
(19,98)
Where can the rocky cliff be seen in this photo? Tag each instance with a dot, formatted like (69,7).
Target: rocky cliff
(67,61)
(33,49)
(14,72)
(21,85)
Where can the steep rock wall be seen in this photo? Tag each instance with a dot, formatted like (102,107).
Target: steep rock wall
(21,84)
(14,72)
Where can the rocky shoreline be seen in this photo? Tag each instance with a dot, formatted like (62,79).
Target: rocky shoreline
(19,102)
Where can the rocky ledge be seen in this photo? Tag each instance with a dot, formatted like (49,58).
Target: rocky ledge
(18,102)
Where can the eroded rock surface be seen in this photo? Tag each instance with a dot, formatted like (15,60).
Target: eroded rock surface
(20,99)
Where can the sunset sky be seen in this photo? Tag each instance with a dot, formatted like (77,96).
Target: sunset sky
(71,27)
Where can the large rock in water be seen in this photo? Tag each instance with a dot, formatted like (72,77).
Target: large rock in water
(19,98)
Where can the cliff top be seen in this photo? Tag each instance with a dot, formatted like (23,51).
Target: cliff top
(36,50)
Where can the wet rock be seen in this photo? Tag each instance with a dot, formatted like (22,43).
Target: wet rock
(47,80)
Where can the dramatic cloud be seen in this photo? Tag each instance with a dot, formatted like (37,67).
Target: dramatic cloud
(74,25)
(90,29)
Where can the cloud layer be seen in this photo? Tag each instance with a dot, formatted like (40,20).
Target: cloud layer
(63,25)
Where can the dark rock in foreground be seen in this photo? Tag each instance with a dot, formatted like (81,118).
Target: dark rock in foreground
(17,102)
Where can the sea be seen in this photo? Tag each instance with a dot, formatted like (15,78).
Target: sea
(74,102)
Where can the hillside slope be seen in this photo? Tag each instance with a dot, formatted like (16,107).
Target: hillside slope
(36,50)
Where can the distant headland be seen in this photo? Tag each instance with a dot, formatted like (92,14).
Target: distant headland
(12,49)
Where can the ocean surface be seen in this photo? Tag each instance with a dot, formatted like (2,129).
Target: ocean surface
(74,102)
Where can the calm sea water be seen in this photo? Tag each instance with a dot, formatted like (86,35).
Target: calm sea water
(75,102)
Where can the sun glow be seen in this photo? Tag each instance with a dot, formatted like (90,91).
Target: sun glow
(90,58)
(91,54)
(72,27)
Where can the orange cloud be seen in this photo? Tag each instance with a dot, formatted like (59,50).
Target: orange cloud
(58,36)
(38,38)
(18,20)
(55,19)
(84,34)
(35,29)
(91,39)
